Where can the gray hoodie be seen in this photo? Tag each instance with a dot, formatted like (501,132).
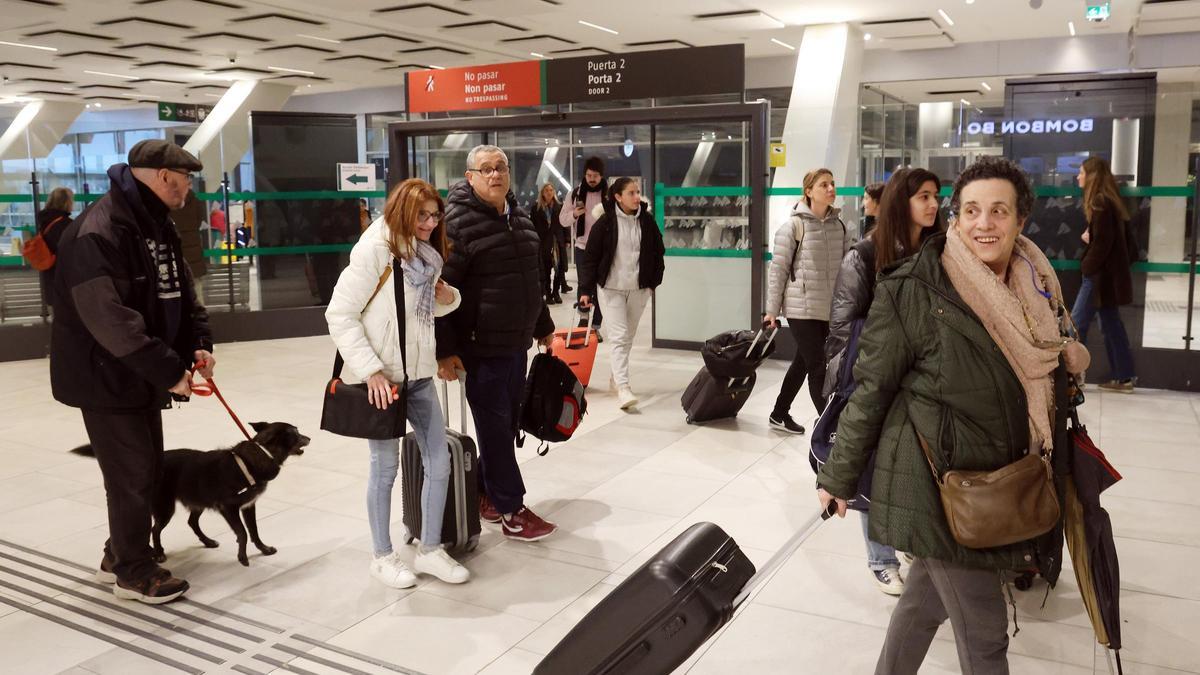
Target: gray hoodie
(804,264)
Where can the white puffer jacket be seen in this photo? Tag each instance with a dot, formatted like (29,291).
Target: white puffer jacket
(813,262)
(368,339)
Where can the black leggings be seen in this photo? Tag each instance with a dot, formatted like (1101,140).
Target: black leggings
(809,335)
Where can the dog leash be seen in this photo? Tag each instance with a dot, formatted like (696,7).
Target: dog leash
(210,389)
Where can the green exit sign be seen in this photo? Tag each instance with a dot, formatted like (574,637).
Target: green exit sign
(1097,12)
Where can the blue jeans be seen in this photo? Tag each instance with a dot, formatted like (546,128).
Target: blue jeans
(1116,340)
(495,387)
(879,556)
(425,416)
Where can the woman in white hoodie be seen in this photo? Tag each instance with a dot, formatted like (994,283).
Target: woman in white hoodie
(409,239)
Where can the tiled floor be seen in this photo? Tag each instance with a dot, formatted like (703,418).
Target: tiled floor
(620,490)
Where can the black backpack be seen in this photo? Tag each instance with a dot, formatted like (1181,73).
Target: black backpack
(737,354)
(554,403)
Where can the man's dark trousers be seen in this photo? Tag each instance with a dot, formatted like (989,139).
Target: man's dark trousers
(129,448)
(597,317)
(495,386)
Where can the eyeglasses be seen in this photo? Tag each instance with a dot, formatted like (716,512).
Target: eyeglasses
(425,216)
(487,171)
(186,174)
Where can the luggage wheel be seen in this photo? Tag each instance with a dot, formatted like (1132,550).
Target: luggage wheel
(1024,581)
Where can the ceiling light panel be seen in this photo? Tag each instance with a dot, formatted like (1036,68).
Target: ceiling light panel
(940,41)
(485,30)
(901,28)
(751,19)
(422,15)
(380,41)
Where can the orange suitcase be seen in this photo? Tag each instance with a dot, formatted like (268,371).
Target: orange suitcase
(577,347)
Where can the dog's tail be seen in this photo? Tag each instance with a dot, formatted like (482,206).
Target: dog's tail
(84,451)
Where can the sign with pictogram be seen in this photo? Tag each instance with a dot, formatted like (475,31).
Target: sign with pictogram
(356,177)
(503,85)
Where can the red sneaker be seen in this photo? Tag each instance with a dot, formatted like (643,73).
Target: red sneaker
(525,525)
(487,510)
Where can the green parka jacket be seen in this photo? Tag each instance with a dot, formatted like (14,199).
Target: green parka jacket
(925,361)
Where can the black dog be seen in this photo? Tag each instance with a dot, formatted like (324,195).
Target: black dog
(228,480)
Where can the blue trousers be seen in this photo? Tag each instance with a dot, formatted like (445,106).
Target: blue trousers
(1116,339)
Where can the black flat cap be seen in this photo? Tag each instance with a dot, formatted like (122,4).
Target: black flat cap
(160,154)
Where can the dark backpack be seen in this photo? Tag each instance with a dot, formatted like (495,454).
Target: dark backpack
(553,405)
(825,431)
(737,353)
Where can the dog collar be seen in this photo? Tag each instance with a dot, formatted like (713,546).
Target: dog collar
(245,472)
(264,451)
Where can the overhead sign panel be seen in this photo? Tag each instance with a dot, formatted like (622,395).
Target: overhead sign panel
(503,85)
(183,112)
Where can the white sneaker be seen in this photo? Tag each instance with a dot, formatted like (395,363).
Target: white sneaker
(889,581)
(391,571)
(905,558)
(627,398)
(439,564)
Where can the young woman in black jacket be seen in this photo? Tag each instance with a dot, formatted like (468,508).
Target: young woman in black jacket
(624,263)
(545,213)
(907,214)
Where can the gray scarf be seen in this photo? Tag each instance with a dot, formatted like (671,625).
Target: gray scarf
(421,271)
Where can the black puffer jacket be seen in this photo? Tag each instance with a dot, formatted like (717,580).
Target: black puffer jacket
(58,221)
(110,343)
(495,263)
(602,248)
(852,295)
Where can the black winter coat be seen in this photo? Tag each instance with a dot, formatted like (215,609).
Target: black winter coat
(108,342)
(495,263)
(595,267)
(61,220)
(550,233)
(1107,259)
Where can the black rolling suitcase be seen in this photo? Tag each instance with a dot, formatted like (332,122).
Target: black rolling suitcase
(709,397)
(460,524)
(658,617)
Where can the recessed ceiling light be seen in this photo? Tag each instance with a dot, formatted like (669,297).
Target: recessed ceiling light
(866,36)
(321,39)
(970,2)
(946,16)
(592,25)
(290,70)
(213,95)
(98,105)
(141,96)
(986,86)
(1071,27)
(964,101)
(98,72)
(437,67)
(781,43)
(68,88)
(537,55)
(18,44)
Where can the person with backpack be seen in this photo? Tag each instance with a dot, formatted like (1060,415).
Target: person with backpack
(624,264)
(587,203)
(52,221)
(1107,278)
(804,265)
(907,215)
(409,239)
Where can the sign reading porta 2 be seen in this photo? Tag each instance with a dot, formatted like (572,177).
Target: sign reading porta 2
(665,72)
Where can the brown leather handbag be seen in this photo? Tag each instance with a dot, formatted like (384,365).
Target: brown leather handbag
(986,509)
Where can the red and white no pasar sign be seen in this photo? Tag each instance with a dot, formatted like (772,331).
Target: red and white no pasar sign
(502,85)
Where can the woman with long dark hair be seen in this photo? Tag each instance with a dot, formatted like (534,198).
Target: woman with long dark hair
(1107,280)
(409,240)
(907,214)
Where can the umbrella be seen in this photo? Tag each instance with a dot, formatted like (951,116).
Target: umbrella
(1089,536)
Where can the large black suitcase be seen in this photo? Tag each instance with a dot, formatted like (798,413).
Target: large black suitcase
(460,524)
(657,618)
(710,398)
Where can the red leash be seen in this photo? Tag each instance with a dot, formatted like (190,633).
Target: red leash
(210,389)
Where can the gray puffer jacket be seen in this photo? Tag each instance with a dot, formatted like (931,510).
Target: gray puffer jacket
(804,264)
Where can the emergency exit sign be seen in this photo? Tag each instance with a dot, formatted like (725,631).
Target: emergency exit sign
(1097,12)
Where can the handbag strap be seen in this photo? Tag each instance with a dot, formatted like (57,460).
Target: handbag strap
(928,455)
(339,363)
(52,224)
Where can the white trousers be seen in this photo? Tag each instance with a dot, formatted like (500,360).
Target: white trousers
(622,311)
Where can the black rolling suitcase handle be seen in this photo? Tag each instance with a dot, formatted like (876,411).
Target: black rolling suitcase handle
(462,402)
(754,343)
(783,554)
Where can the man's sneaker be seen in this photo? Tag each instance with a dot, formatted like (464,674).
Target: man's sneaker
(889,581)
(627,398)
(105,574)
(439,563)
(156,589)
(785,423)
(487,510)
(525,525)
(1118,386)
(390,570)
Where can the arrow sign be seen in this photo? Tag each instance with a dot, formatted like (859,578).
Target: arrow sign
(356,177)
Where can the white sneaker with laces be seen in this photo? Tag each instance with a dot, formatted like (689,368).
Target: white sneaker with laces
(627,398)
(439,564)
(391,571)
(889,581)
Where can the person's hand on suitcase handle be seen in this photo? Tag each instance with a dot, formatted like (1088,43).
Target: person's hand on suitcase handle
(450,367)
(545,340)
(770,320)
(380,391)
(831,504)
(585,302)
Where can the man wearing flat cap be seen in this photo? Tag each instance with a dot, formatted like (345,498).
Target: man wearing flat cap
(127,332)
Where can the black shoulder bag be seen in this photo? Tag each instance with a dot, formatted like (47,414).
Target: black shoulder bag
(348,410)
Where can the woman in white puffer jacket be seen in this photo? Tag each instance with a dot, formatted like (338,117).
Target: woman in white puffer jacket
(409,239)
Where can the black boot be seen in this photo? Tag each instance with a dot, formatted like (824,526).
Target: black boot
(566,288)
(555,299)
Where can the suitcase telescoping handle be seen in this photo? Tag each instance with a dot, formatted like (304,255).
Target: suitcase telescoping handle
(762,330)
(782,555)
(462,401)
(591,312)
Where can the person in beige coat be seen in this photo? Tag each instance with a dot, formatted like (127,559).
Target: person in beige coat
(804,265)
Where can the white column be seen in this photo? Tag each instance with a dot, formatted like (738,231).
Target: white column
(225,133)
(821,128)
(1172,131)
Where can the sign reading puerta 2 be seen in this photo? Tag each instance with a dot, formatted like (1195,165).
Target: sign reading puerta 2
(667,72)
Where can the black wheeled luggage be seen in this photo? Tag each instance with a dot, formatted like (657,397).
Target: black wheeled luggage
(460,524)
(710,398)
(658,617)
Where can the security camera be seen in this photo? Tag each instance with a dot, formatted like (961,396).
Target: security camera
(1035,4)
(233,58)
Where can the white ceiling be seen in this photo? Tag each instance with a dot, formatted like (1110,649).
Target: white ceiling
(178,50)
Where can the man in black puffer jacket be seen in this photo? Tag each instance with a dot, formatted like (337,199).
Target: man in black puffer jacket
(495,263)
(127,327)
